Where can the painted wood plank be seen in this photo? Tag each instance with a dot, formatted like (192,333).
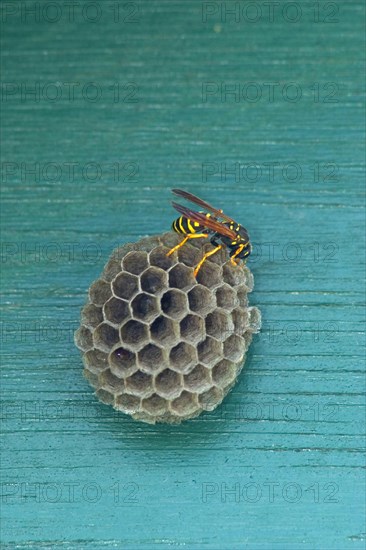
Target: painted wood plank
(281,463)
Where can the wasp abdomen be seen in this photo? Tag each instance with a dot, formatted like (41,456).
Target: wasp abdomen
(186,226)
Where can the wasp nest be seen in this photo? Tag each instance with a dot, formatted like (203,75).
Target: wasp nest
(158,343)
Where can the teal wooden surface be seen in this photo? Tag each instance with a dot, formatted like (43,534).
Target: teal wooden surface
(280,463)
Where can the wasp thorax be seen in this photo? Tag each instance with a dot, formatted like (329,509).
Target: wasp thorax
(159,343)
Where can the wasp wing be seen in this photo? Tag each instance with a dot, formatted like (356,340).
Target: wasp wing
(203,220)
(200,202)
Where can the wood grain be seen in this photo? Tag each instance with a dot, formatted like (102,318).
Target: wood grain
(280,464)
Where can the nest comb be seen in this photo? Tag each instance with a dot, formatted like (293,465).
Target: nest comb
(158,343)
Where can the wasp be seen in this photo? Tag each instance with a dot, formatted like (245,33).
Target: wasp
(207,224)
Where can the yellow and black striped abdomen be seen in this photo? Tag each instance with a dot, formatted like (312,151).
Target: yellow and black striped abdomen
(185,226)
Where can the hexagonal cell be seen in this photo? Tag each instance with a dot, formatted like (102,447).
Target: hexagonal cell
(219,258)
(226,297)
(210,275)
(174,304)
(234,348)
(241,320)
(248,336)
(96,361)
(135,262)
(125,285)
(209,351)
(192,328)
(145,307)
(105,397)
(185,404)
(99,292)
(105,337)
(198,379)
(128,403)
(151,358)
(91,377)
(198,244)
(190,256)
(181,276)
(249,279)
(242,295)
(91,315)
(254,319)
(84,339)
(109,382)
(170,239)
(164,331)
(116,311)
(158,257)
(183,357)
(122,362)
(224,373)
(139,384)
(201,300)
(155,405)
(154,280)
(210,398)
(134,333)
(234,275)
(112,269)
(219,324)
(169,383)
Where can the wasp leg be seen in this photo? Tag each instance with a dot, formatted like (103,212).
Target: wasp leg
(186,238)
(237,251)
(198,267)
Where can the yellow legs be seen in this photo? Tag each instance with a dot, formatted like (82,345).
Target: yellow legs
(237,251)
(208,254)
(196,236)
(190,236)
(198,267)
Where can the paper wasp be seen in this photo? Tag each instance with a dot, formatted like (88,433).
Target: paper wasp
(196,225)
